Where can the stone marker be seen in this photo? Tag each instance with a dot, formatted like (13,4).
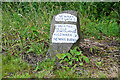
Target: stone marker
(64,33)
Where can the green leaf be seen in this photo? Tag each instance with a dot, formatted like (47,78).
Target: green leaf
(79,58)
(66,59)
(61,61)
(76,59)
(30,50)
(35,32)
(99,63)
(75,65)
(78,53)
(68,55)
(61,56)
(91,50)
(74,50)
(63,67)
(85,59)
(58,56)
(38,67)
(81,64)
(34,28)
(70,62)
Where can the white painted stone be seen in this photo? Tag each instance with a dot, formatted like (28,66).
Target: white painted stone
(65,33)
(66,17)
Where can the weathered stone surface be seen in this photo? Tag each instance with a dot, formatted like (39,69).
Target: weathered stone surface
(66,17)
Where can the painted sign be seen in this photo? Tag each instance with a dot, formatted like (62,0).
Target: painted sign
(66,17)
(65,33)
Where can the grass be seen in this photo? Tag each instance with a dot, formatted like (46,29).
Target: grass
(12,65)
(0,66)
(30,33)
(99,28)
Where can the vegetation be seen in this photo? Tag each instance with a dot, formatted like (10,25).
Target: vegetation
(26,35)
(73,59)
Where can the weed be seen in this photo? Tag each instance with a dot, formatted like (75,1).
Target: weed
(45,68)
(73,58)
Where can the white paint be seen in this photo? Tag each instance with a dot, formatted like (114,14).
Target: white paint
(66,17)
(65,33)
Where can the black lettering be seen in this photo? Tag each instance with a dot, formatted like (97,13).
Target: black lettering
(75,35)
(55,39)
(60,15)
(70,39)
(61,39)
(74,31)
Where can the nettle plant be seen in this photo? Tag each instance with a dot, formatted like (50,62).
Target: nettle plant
(73,59)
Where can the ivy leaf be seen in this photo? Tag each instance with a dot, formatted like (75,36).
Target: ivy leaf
(85,59)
